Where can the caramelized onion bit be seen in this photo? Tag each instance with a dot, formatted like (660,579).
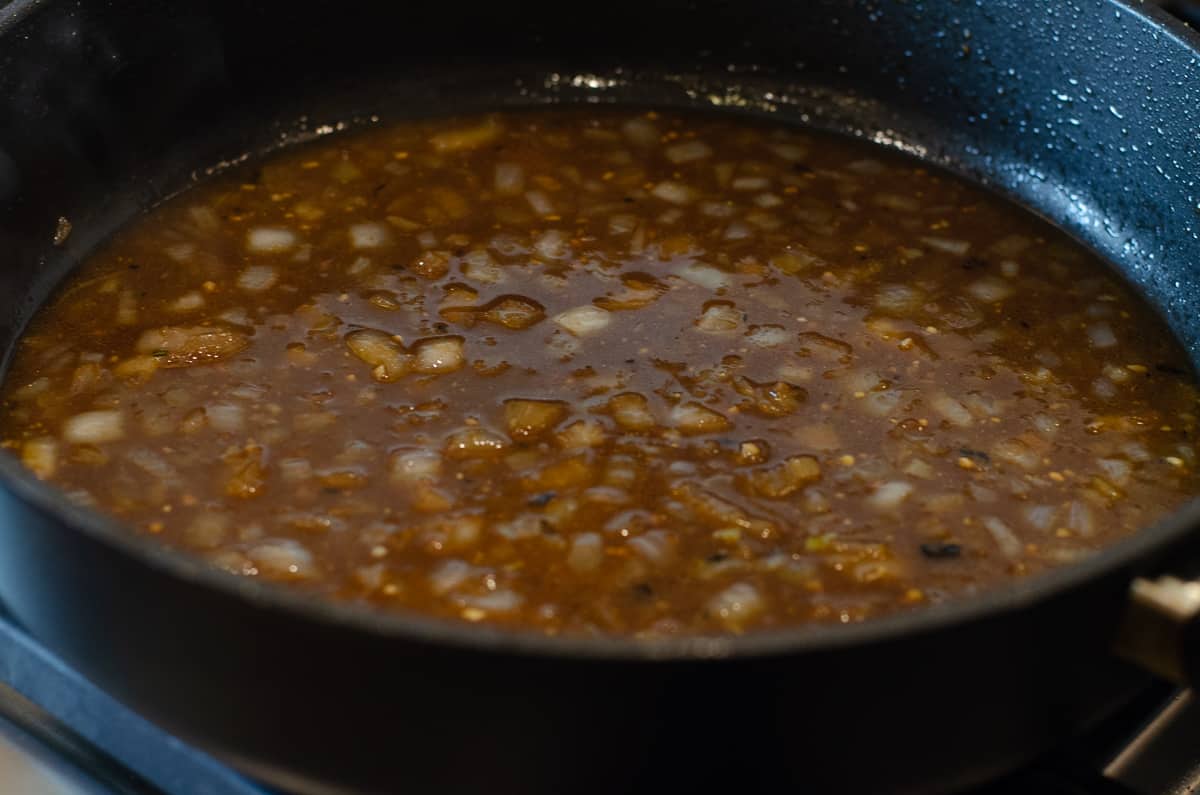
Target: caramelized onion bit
(438,354)
(94,427)
(526,418)
(584,320)
(696,418)
(513,311)
(631,411)
(786,477)
(474,442)
(388,358)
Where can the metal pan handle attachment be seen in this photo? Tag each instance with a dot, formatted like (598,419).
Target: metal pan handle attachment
(1160,630)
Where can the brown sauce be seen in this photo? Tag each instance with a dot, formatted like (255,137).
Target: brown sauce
(595,372)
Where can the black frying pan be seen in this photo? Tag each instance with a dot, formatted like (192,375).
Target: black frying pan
(1088,112)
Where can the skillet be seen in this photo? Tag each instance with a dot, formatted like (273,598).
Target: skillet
(1085,112)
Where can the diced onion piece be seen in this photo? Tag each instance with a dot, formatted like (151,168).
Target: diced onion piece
(207,530)
(410,466)
(1010,546)
(1045,424)
(387,357)
(703,275)
(1081,518)
(179,346)
(696,418)
(1014,451)
(767,200)
(952,410)
(464,531)
(751,183)
(786,477)
(687,151)
(772,398)
(295,470)
(36,387)
(188,302)
(540,202)
(673,192)
(896,201)
(631,411)
(1010,245)
(527,418)
(990,290)
(478,266)
(948,245)
(768,336)
(901,300)
(736,605)
(581,434)
(283,559)
(1040,517)
(498,601)
(127,308)
(888,496)
(719,317)
(718,209)
(466,138)
(181,252)
(641,132)
(552,245)
(655,546)
(449,576)
(509,179)
(793,153)
(431,264)
(522,526)
(369,235)
(584,320)
(738,231)
(586,553)
(1118,470)
(438,354)
(882,403)
(622,224)
(137,369)
(40,456)
(474,442)
(257,278)
(225,417)
(1101,335)
(513,311)
(919,469)
(270,239)
(94,427)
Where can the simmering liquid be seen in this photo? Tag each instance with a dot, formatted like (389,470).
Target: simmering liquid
(615,373)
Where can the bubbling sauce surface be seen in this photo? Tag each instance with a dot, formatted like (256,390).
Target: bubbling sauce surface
(596,372)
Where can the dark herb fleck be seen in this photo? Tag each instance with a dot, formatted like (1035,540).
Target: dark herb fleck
(717,557)
(938,550)
(1170,369)
(978,455)
(642,590)
(158,353)
(541,500)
